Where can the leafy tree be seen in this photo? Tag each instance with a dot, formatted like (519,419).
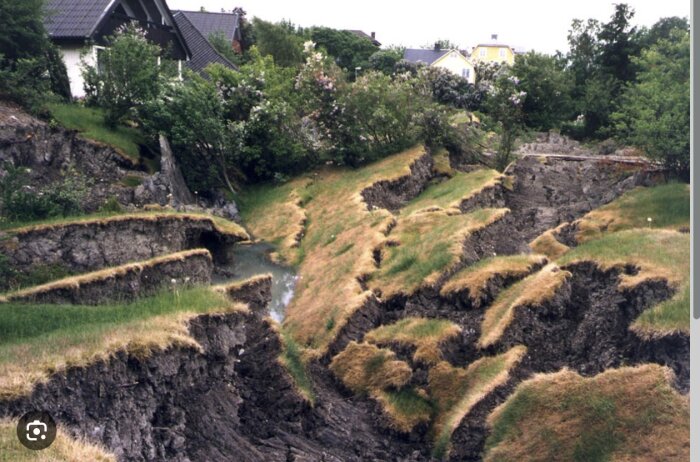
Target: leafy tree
(441,44)
(504,104)
(26,54)
(385,60)
(281,41)
(548,90)
(347,49)
(655,110)
(618,44)
(663,29)
(128,74)
(448,88)
(221,44)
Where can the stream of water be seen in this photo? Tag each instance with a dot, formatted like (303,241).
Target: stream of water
(251,260)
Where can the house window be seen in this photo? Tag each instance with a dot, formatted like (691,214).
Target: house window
(465,73)
(502,52)
(99,59)
(482,52)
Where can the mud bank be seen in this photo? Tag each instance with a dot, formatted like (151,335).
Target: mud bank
(92,245)
(124,283)
(392,194)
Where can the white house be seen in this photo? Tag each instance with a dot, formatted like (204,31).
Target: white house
(452,60)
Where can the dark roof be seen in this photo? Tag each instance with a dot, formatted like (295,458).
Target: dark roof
(423,56)
(364,35)
(201,51)
(210,23)
(75,18)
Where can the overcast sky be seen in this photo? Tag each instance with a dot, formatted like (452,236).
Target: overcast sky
(531,24)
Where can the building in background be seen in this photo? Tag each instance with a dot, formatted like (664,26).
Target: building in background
(452,60)
(493,52)
(371,37)
(79,28)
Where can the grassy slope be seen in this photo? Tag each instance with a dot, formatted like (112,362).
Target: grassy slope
(337,246)
(456,390)
(90,123)
(425,334)
(475,277)
(428,245)
(64,449)
(37,340)
(276,215)
(659,254)
(667,205)
(450,194)
(624,414)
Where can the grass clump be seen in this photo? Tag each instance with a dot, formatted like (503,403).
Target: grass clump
(425,334)
(38,340)
(90,123)
(473,279)
(531,291)
(292,360)
(667,205)
(457,390)
(406,408)
(425,246)
(658,254)
(621,414)
(449,195)
(65,448)
(441,164)
(547,244)
(366,369)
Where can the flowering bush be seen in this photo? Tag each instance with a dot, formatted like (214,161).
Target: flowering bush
(505,105)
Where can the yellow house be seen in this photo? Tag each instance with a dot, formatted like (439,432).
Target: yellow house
(493,53)
(452,60)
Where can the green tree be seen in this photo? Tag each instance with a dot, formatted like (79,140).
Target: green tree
(548,100)
(662,29)
(385,60)
(655,110)
(348,50)
(26,54)
(281,41)
(127,74)
(221,44)
(504,104)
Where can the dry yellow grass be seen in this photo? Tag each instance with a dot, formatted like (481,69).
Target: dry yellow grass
(406,408)
(227,288)
(336,251)
(108,273)
(531,291)
(627,414)
(425,334)
(139,338)
(474,278)
(548,245)
(457,390)
(425,246)
(279,218)
(223,226)
(65,448)
(367,369)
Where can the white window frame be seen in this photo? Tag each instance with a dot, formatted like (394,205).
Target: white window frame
(502,52)
(482,52)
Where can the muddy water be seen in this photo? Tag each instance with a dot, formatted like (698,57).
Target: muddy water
(251,260)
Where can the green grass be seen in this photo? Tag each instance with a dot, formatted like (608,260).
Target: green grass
(292,360)
(90,123)
(667,205)
(660,254)
(132,181)
(33,324)
(429,245)
(450,193)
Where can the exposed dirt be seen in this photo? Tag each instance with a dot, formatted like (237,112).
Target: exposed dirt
(233,399)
